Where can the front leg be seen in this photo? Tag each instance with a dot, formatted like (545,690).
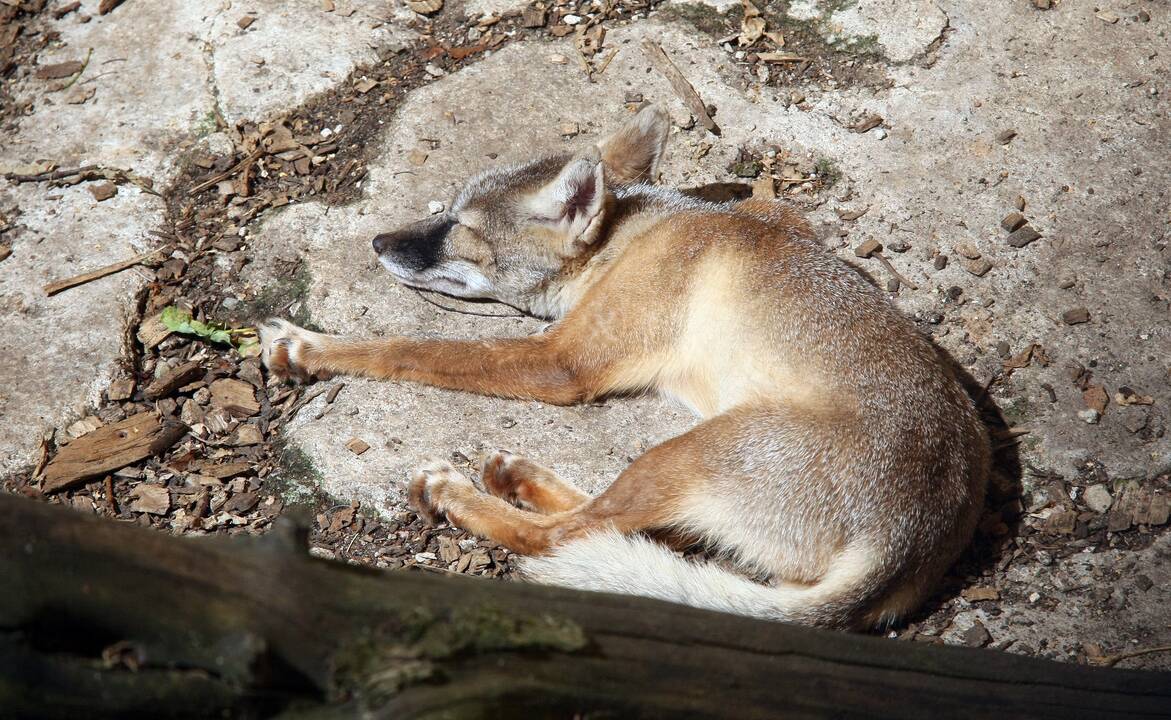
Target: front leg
(532,368)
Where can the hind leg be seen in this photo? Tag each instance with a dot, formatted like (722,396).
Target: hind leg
(519,480)
(650,494)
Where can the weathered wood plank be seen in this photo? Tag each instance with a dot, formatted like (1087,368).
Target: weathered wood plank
(274,628)
(110,448)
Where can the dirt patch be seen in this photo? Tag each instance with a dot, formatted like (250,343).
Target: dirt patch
(822,66)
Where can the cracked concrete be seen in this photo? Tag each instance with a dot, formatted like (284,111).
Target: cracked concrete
(159,73)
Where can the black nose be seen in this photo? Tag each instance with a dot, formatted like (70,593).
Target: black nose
(416,246)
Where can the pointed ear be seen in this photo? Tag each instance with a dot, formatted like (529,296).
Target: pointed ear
(632,153)
(573,202)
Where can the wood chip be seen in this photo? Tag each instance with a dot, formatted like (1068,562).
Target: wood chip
(533,17)
(978,594)
(1076,316)
(103,191)
(120,390)
(66,9)
(1023,236)
(417,158)
(236,397)
(357,446)
(449,550)
(967,250)
(247,435)
(108,5)
(242,502)
(867,123)
(978,266)
(868,248)
(365,85)
(223,471)
(1096,398)
(245,21)
(568,129)
(60,70)
(83,426)
(170,381)
(1013,221)
(328,6)
(110,448)
(80,94)
(152,331)
(852,215)
(151,499)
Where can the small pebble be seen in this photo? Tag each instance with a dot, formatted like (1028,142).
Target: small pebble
(571,19)
(880,134)
(1090,415)
(940,262)
(435,207)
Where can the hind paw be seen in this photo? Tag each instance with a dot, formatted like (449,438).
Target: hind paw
(432,486)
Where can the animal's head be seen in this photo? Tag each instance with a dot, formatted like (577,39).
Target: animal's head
(511,229)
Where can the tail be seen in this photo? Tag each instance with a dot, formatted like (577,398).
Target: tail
(633,565)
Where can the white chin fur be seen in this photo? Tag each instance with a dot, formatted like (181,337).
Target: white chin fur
(452,277)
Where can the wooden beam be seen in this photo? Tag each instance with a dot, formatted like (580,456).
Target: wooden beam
(253,625)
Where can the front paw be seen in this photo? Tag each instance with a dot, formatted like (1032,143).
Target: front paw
(432,486)
(286,349)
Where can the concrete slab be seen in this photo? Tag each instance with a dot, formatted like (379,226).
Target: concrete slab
(940,179)
(156,74)
(291,51)
(58,353)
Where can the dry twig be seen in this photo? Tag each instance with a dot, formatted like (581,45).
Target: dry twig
(679,84)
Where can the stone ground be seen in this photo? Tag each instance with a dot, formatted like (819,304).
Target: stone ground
(917,124)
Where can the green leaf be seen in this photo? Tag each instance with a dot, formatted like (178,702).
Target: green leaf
(180,321)
(174,318)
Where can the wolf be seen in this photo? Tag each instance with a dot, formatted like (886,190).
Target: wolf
(836,456)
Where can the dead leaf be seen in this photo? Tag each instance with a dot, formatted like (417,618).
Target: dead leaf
(1021,359)
(365,85)
(417,157)
(1127,396)
(152,499)
(751,30)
